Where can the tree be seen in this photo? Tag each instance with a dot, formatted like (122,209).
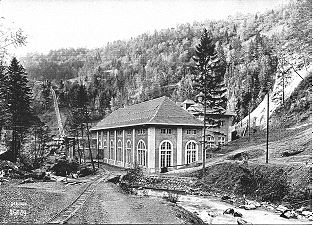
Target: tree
(209,80)
(2,97)
(18,100)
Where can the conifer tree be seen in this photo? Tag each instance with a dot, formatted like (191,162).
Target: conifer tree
(18,99)
(2,97)
(210,81)
(210,77)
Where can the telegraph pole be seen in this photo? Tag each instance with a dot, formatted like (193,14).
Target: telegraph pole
(267,124)
(204,128)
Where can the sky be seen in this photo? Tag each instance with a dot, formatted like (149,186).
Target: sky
(53,24)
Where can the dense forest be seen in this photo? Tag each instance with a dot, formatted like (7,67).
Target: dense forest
(255,47)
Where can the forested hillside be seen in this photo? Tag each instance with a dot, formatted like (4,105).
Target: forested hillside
(255,47)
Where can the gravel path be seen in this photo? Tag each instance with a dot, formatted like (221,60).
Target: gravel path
(108,205)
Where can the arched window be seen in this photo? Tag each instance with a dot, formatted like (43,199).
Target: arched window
(191,152)
(119,151)
(111,149)
(142,153)
(128,151)
(166,154)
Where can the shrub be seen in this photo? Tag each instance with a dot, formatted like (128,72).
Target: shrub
(132,177)
(172,197)
(63,167)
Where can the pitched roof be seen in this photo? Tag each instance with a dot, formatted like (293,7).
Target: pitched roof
(162,111)
(197,109)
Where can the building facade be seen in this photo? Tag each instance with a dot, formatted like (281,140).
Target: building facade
(153,134)
(218,135)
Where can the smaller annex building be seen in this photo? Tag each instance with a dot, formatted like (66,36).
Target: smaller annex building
(154,134)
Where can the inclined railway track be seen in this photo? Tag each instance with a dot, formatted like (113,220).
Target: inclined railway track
(68,212)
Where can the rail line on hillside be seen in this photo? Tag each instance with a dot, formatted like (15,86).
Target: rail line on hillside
(68,212)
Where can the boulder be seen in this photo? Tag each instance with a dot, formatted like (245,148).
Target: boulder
(225,197)
(301,209)
(282,208)
(237,214)
(241,221)
(307,213)
(28,180)
(249,202)
(247,207)
(289,214)
(229,211)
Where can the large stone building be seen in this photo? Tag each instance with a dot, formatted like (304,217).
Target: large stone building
(216,136)
(153,134)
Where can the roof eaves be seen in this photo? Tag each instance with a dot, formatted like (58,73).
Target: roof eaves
(141,124)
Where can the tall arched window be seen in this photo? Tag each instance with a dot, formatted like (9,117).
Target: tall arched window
(166,150)
(128,151)
(119,151)
(111,149)
(142,153)
(191,152)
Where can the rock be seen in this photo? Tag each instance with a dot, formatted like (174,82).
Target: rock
(307,213)
(270,208)
(28,180)
(237,214)
(289,214)
(301,209)
(257,204)
(241,221)
(282,208)
(229,211)
(225,197)
(212,214)
(247,207)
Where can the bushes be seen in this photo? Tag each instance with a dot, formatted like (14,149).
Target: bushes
(171,197)
(132,177)
(63,167)
(274,183)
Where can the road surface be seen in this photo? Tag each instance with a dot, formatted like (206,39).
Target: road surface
(108,205)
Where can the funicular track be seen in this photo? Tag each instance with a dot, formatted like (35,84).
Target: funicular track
(68,212)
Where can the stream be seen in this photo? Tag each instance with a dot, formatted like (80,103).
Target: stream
(210,209)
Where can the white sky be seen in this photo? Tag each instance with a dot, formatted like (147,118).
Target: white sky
(53,24)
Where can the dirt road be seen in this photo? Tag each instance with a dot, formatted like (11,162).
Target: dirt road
(108,205)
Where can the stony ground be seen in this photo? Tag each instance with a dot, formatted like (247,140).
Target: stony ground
(34,202)
(108,205)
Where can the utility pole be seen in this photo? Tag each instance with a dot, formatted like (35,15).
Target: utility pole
(204,128)
(267,124)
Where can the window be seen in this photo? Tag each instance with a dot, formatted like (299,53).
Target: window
(119,132)
(100,138)
(129,132)
(165,154)
(128,151)
(119,151)
(221,140)
(211,141)
(111,149)
(142,153)
(191,152)
(112,132)
(166,131)
(141,131)
(222,123)
(189,131)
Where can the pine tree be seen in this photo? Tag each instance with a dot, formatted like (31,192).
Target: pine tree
(210,77)
(2,97)
(18,99)
(209,80)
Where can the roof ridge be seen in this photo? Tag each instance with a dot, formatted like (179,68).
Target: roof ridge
(156,111)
